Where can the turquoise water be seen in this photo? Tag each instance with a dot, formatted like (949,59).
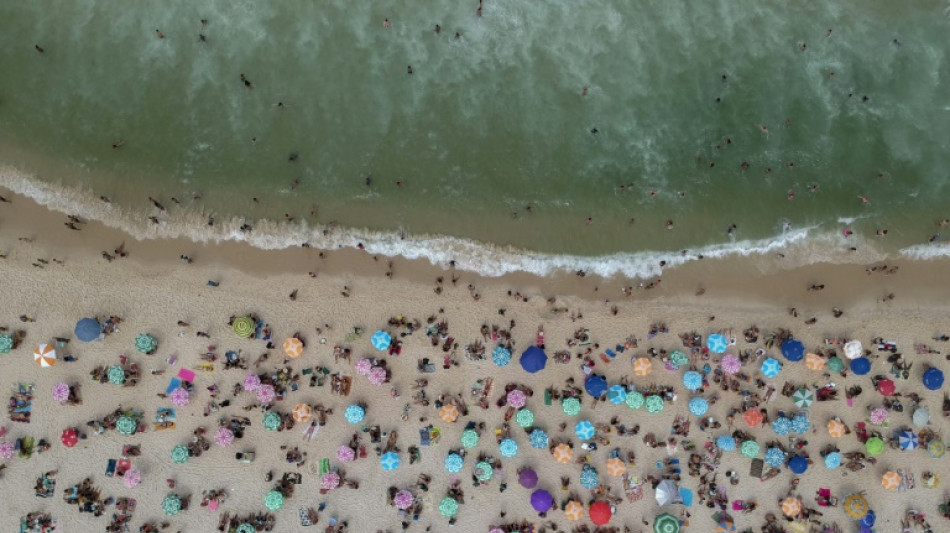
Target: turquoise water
(492,122)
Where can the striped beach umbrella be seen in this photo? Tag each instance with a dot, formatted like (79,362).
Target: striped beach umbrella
(803,397)
(44,356)
(666,523)
(571,406)
(243,327)
(907,440)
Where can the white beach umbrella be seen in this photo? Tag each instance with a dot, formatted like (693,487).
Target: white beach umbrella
(853,349)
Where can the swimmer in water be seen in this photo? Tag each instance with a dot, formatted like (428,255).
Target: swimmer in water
(763,129)
(386,24)
(864,200)
(790,196)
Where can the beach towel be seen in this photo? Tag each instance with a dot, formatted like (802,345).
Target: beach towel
(186,375)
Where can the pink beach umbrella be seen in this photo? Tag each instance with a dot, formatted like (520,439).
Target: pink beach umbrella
(731,364)
(60,392)
(496,530)
(223,437)
(180,397)
(517,399)
(252,382)
(7,449)
(363,366)
(266,394)
(331,480)
(345,454)
(403,499)
(132,478)
(377,376)
(878,415)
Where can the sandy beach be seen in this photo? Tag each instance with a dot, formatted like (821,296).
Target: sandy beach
(56,275)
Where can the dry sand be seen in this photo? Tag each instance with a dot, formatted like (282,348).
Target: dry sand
(151,290)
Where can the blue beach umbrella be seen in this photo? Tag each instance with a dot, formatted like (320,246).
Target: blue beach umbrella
(584,430)
(861,366)
(595,385)
(381,340)
(88,329)
(533,359)
(692,380)
(868,520)
(933,379)
(800,424)
(538,439)
(907,440)
(589,477)
(717,343)
(616,394)
(793,350)
(508,448)
(389,461)
(698,406)
(771,367)
(453,463)
(501,356)
(798,464)
(726,443)
(354,414)
(833,460)
(774,457)
(781,426)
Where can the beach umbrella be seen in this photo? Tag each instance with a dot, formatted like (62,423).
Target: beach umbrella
(571,406)
(907,440)
(501,356)
(654,404)
(354,414)
(886,387)
(589,477)
(860,366)
(524,418)
(381,340)
(6,343)
(835,364)
(243,326)
(856,506)
(781,426)
(403,499)
(69,437)
(116,375)
(890,480)
(717,343)
(533,359)
(293,347)
(803,397)
(448,507)
(171,505)
(667,492)
(595,385)
(302,412)
(878,415)
(542,501)
(508,448)
(389,461)
(771,367)
(937,448)
(584,430)
(692,380)
(376,375)
(272,421)
(600,512)
(774,457)
(814,361)
(483,471)
(730,364)
(469,438)
(933,379)
(726,525)
(449,413)
(87,329)
(528,478)
(363,366)
(753,417)
(252,382)
(7,450)
(836,428)
(798,464)
(61,392)
(791,507)
(180,397)
(749,449)
(800,424)
(245,527)
(179,454)
(516,398)
(793,350)
(131,478)
(330,480)
(345,454)
(574,510)
(616,467)
(145,343)
(634,399)
(874,446)
(616,394)
(868,520)
(563,453)
(921,416)
(642,366)
(223,437)
(274,500)
(666,523)
(698,406)
(726,443)
(266,393)
(678,358)
(453,463)
(853,349)
(833,460)
(44,355)
(126,425)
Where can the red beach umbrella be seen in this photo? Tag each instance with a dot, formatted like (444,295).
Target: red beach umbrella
(886,387)
(70,437)
(600,513)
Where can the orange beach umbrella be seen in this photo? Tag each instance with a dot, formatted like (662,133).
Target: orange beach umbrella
(293,347)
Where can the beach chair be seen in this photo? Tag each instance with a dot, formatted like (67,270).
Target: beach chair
(110,468)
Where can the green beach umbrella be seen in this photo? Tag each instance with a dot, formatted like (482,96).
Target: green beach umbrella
(803,397)
(171,504)
(874,446)
(654,404)
(245,528)
(666,523)
(116,375)
(634,400)
(179,454)
(126,425)
(243,326)
(483,471)
(571,406)
(274,500)
(448,507)
(835,364)
(750,449)
(469,438)
(525,418)
(678,358)
(145,343)
(271,421)
(6,343)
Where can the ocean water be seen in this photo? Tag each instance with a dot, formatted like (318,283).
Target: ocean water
(503,142)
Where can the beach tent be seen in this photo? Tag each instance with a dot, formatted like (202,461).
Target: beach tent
(793,350)
(861,366)
(933,379)
(533,359)
(595,385)
(541,500)
(88,329)
(600,513)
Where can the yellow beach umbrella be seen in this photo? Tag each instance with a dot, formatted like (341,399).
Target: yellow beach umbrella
(448,412)
(856,506)
(642,366)
(293,347)
(563,453)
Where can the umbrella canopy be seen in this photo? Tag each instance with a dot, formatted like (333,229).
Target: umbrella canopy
(836,428)
(6,343)
(753,417)
(616,467)
(698,406)
(243,327)
(61,392)
(87,329)
(449,412)
(861,366)
(933,379)
(833,460)
(921,416)
(252,382)
(781,425)
(791,507)
(44,356)
(354,414)
(403,499)
(538,439)
(726,525)
(345,454)
(483,471)
(717,343)
(246,527)
(266,393)
(654,404)
(563,453)
(469,438)
(272,421)
(126,425)
(7,449)
(617,394)
(803,397)
(274,500)
(726,443)
(835,364)
(116,375)
(853,349)
(589,477)
(774,457)
(771,367)
(678,358)
(730,364)
(571,406)
(542,501)
(145,343)
(376,375)
(330,480)
(69,437)
(600,513)
(453,463)
(856,506)
(874,446)
(798,464)
(891,480)
(584,430)
(179,454)
(389,461)
(936,448)
(634,399)
(886,387)
(302,412)
(692,380)
(907,440)
(223,437)
(642,366)
(516,398)
(533,359)
(793,350)
(750,449)
(868,520)
(171,505)
(524,418)
(363,366)
(528,478)
(293,347)
(814,361)
(800,424)
(878,415)
(131,478)
(448,507)
(501,356)
(574,510)
(667,492)
(508,448)
(595,385)
(666,523)
(381,340)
